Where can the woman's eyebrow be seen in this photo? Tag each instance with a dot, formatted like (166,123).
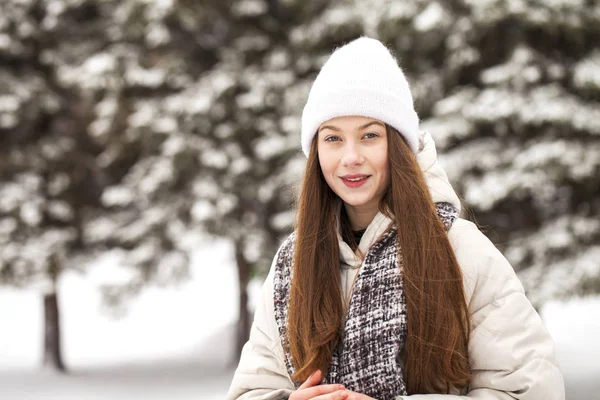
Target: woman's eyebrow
(368,124)
(333,128)
(360,128)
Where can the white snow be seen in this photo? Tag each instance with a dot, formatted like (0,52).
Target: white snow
(575,328)
(165,125)
(226,203)
(240,165)
(8,103)
(249,8)
(205,187)
(106,270)
(136,75)
(159,174)
(432,17)
(11,196)
(117,196)
(174,145)
(214,158)
(330,19)
(283,220)
(254,99)
(8,121)
(586,72)
(144,115)
(399,9)
(278,59)
(269,146)
(172,343)
(7,227)
(5,42)
(157,34)
(201,210)
(93,73)
(252,42)
(100,64)
(176,342)
(60,210)
(58,183)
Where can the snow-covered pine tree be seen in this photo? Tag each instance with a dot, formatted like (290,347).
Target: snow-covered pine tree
(246,112)
(197,107)
(48,173)
(510,90)
(80,170)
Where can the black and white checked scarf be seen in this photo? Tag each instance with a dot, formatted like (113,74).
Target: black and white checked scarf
(367,359)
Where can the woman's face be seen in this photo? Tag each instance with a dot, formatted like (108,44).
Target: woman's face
(353,154)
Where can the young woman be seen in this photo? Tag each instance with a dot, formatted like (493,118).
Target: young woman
(382,292)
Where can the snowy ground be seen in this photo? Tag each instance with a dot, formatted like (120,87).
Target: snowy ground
(575,327)
(176,343)
(172,344)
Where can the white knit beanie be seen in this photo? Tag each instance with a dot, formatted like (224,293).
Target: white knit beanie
(361,78)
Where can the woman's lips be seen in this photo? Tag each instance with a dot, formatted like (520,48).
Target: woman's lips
(354,181)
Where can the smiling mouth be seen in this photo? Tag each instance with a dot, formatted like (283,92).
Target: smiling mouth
(354,181)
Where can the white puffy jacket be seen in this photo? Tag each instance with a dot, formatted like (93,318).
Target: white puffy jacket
(510,350)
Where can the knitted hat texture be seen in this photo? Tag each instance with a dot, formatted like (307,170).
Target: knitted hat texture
(361,78)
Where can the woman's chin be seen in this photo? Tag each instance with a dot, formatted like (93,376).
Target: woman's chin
(355,201)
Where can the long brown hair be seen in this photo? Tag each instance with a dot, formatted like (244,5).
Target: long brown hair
(436,349)
(316,311)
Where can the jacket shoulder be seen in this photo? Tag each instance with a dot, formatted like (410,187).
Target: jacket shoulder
(487,274)
(509,347)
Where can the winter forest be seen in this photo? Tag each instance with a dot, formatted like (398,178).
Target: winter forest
(151,148)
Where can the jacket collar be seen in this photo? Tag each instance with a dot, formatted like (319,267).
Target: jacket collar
(350,259)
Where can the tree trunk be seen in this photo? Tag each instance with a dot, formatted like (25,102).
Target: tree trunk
(52,350)
(243,324)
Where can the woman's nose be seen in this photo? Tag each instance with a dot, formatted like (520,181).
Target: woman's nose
(352,155)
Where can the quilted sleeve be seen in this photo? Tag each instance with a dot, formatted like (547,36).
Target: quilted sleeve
(511,352)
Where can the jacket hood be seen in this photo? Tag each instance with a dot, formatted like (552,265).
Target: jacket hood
(437,180)
(439,187)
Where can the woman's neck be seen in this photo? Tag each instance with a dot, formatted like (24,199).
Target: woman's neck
(360,218)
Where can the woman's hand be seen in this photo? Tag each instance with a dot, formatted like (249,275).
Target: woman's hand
(312,390)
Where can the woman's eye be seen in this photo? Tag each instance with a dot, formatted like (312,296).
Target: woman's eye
(371,135)
(332,139)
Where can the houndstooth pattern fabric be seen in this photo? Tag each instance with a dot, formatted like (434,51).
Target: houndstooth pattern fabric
(366,359)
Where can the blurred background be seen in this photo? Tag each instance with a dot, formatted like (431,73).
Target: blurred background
(149,158)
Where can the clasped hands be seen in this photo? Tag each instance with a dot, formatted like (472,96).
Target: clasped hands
(312,390)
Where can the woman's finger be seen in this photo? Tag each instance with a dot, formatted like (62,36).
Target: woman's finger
(314,379)
(357,396)
(337,395)
(315,391)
